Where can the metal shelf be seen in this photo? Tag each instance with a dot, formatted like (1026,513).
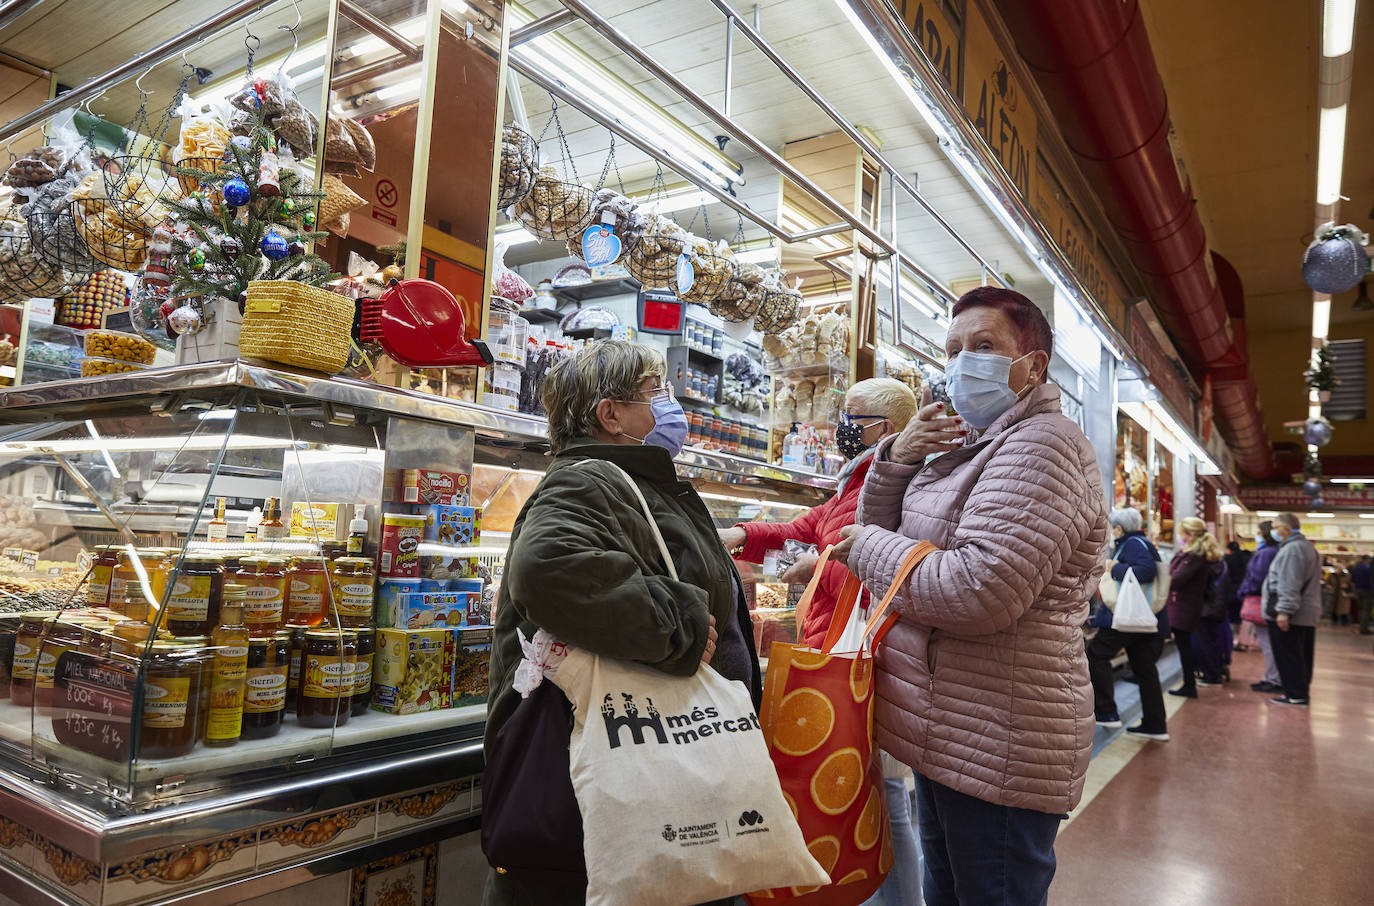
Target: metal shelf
(598,289)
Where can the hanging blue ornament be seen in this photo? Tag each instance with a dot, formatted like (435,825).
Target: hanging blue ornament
(274,246)
(1317,432)
(1312,487)
(1336,260)
(237,193)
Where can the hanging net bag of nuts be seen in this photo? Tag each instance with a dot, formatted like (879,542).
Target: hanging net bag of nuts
(742,296)
(713,266)
(781,305)
(519,167)
(654,260)
(556,208)
(24,275)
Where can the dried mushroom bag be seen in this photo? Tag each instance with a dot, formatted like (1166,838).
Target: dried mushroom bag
(555,208)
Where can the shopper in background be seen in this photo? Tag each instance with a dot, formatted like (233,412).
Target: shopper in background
(1133,553)
(873,409)
(1342,596)
(1193,575)
(1237,559)
(983,684)
(1293,604)
(1364,592)
(1256,571)
(583,561)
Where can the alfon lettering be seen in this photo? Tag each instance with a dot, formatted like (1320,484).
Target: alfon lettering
(997,129)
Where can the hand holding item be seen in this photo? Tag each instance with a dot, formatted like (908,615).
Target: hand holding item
(733,537)
(846,543)
(929,432)
(801,571)
(1283,622)
(711,638)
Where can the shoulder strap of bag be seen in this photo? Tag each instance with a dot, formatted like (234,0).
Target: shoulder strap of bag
(648,514)
(880,621)
(845,602)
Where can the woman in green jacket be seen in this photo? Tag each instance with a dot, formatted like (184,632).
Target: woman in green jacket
(583,563)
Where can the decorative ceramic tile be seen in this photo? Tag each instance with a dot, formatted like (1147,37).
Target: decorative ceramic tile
(154,875)
(317,833)
(78,876)
(405,879)
(16,843)
(447,800)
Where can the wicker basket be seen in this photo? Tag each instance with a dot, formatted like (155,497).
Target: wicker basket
(296,324)
(779,310)
(713,272)
(519,167)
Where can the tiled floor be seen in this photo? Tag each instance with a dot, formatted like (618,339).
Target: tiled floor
(1249,803)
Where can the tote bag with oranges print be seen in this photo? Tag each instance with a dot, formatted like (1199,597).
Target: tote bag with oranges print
(817,718)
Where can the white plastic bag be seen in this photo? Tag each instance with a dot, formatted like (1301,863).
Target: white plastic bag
(680,801)
(1132,612)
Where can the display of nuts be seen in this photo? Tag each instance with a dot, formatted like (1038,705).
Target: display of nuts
(93,366)
(125,347)
(556,209)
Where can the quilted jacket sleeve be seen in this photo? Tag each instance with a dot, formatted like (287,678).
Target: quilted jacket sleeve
(570,573)
(880,501)
(1027,513)
(762,537)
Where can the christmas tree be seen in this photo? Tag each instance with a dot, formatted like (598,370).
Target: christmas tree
(247,218)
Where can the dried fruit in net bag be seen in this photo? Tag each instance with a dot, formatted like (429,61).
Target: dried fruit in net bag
(555,208)
(519,166)
(713,266)
(742,295)
(112,238)
(781,305)
(625,220)
(35,168)
(653,260)
(23,274)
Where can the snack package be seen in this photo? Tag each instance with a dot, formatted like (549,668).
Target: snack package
(400,556)
(506,283)
(443,608)
(409,676)
(203,138)
(452,524)
(426,486)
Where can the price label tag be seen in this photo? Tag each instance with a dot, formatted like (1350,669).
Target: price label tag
(54,570)
(30,561)
(93,703)
(599,245)
(686,274)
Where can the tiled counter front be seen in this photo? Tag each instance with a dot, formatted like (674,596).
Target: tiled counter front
(210,863)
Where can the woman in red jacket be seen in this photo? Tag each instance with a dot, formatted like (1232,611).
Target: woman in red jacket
(873,409)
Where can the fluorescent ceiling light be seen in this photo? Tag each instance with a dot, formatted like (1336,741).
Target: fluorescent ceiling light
(683,199)
(597,88)
(1330,154)
(144,444)
(1268,514)
(410,88)
(1321,318)
(1338,27)
(904,82)
(914,293)
(513,236)
(753,501)
(1321,515)
(767,254)
(1367,515)
(1351,480)
(410,29)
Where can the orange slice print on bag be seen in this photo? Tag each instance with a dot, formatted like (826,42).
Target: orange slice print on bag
(857,874)
(870,827)
(825,850)
(861,677)
(792,804)
(837,782)
(805,719)
(809,660)
(885,858)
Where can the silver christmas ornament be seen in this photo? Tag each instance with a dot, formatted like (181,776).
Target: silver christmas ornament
(1317,432)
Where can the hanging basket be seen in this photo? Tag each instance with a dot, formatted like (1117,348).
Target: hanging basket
(713,267)
(779,310)
(138,188)
(519,167)
(653,261)
(628,226)
(742,296)
(556,209)
(297,324)
(112,239)
(23,274)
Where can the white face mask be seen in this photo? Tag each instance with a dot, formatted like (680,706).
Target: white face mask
(978,386)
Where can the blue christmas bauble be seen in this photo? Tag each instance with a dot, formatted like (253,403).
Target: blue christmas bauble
(274,246)
(1317,432)
(1335,264)
(1312,487)
(1317,502)
(237,193)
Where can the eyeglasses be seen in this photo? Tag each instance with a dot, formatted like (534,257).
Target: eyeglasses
(655,395)
(847,419)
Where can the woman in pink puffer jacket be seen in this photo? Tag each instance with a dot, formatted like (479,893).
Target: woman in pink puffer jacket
(983,684)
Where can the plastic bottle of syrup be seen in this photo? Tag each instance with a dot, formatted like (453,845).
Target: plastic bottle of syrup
(229,672)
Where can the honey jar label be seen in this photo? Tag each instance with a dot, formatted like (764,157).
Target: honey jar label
(263,603)
(362,675)
(47,663)
(164,701)
(190,599)
(355,600)
(307,597)
(325,676)
(266,690)
(25,658)
(98,592)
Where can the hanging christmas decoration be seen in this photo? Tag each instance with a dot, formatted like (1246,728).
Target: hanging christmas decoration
(1312,487)
(229,247)
(308,220)
(196,258)
(274,246)
(296,248)
(184,320)
(1317,432)
(237,193)
(1336,260)
(288,207)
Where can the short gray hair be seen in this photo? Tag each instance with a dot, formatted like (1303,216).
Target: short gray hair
(1290,520)
(604,370)
(887,397)
(1127,519)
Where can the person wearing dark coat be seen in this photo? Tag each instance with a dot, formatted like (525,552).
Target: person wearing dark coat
(1135,553)
(1193,574)
(1237,559)
(1255,573)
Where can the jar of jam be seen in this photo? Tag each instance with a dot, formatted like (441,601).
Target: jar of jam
(196,596)
(102,571)
(171,701)
(354,583)
(362,671)
(295,653)
(326,684)
(265,608)
(264,703)
(307,591)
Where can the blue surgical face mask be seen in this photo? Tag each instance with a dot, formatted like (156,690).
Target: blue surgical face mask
(978,386)
(670,424)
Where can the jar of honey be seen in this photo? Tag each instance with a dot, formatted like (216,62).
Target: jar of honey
(64,634)
(295,653)
(102,571)
(27,640)
(265,606)
(228,672)
(126,583)
(172,705)
(196,596)
(264,703)
(326,685)
(354,582)
(9,629)
(333,550)
(362,671)
(307,591)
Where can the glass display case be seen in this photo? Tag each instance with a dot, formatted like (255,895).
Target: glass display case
(227,583)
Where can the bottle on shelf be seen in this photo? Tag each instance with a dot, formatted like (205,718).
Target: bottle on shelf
(250,533)
(357,536)
(793,449)
(218,532)
(229,676)
(272,528)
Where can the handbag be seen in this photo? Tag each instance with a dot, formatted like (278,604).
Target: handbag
(1132,612)
(1252,610)
(1108,588)
(817,717)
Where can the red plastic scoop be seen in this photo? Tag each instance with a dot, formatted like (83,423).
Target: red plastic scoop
(420,324)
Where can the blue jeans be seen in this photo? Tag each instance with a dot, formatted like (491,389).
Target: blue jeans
(903,884)
(980,854)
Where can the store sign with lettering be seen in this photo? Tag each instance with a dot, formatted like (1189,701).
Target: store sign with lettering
(997,103)
(938,37)
(93,704)
(1291,498)
(1160,366)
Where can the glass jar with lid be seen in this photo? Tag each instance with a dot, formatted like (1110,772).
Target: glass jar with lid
(362,671)
(126,583)
(106,558)
(196,596)
(64,634)
(172,704)
(27,640)
(295,654)
(265,607)
(307,590)
(354,581)
(324,698)
(9,630)
(264,702)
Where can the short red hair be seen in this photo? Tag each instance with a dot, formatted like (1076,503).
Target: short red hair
(1033,329)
